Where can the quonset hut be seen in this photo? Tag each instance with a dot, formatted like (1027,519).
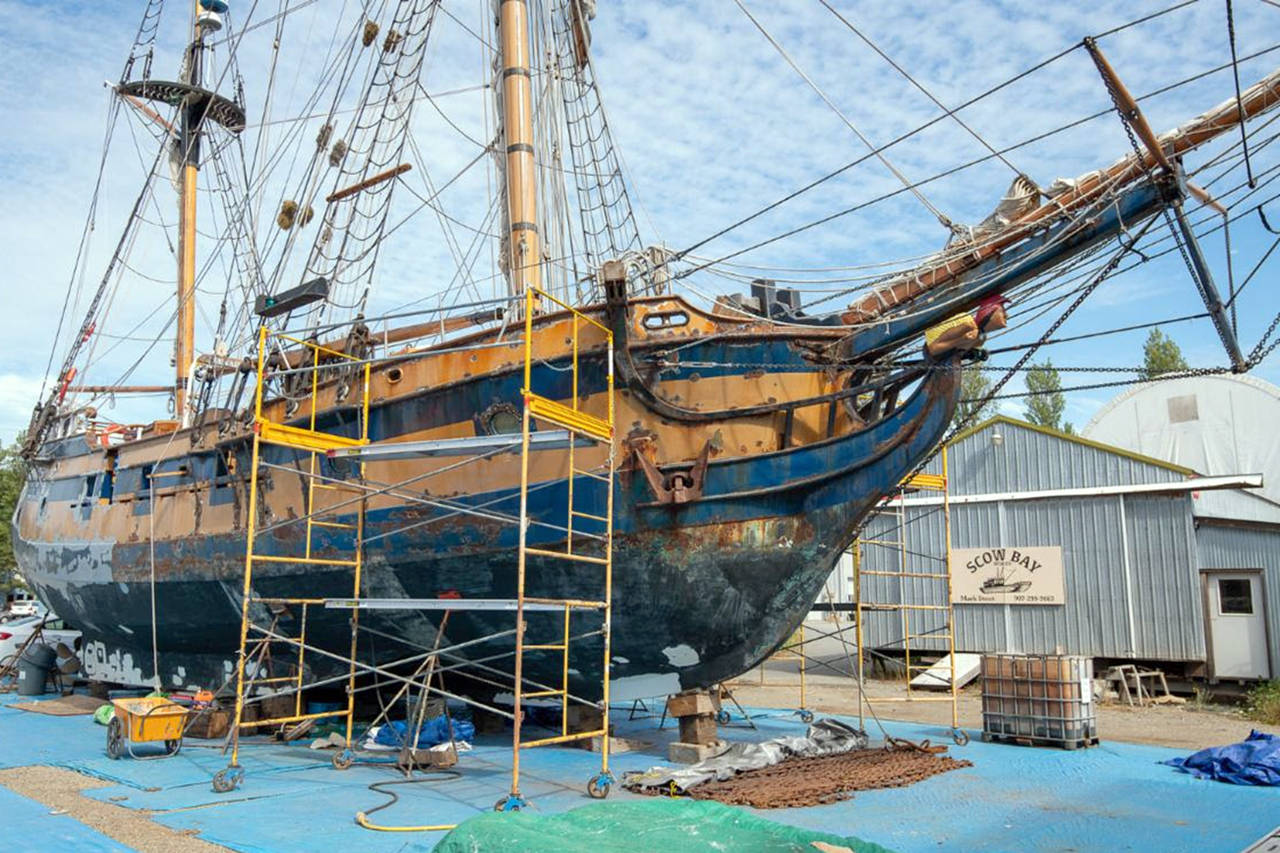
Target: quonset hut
(1120,555)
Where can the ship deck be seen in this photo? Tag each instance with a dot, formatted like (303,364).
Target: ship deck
(1113,796)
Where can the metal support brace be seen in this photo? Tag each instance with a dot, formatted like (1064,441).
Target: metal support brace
(1209,291)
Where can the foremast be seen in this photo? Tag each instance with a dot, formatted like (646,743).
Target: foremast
(191,117)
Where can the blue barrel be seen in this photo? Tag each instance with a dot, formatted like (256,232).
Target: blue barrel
(33,669)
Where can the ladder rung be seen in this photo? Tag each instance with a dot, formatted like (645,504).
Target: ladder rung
(581,558)
(599,518)
(314,561)
(552,646)
(337,524)
(885,542)
(538,694)
(547,741)
(604,478)
(337,487)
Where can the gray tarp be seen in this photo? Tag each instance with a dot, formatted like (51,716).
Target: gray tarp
(825,737)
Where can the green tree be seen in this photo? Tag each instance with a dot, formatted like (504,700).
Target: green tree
(1047,403)
(1160,354)
(12,475)
(974,407)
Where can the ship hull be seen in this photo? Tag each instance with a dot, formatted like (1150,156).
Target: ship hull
(703,589)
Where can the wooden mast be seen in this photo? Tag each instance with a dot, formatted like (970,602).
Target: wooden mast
(525,250)
(189,152)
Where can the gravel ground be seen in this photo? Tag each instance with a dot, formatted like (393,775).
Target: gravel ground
(59,788)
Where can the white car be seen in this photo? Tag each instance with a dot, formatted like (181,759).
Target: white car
(13,634)
(22,603)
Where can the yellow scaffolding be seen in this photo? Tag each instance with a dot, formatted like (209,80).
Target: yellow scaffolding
(908,573)
(578,426)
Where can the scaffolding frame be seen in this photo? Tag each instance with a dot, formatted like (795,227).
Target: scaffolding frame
(574,427)
(907,572)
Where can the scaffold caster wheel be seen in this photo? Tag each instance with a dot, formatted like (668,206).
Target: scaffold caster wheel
(172,747)
(228,779)
(724,717)
(599,785)
(343,759)
(960,736)
(805,716)
(510,803)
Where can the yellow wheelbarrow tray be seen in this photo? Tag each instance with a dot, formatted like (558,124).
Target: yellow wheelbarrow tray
(148,719)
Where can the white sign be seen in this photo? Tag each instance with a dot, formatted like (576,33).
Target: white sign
(1007,576)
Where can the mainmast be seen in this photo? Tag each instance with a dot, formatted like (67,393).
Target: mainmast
(525,250)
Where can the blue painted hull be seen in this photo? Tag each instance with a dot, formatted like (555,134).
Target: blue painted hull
(702,591)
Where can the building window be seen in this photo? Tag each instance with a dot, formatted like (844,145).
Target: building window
(1235,596)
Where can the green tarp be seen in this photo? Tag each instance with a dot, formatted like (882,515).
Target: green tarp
(662,824)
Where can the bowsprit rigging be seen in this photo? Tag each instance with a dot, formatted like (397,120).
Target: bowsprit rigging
(756,429)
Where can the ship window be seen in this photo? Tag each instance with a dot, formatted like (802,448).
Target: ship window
(500,419)
(108,486)
(90,488)
(666,319)
(1235,596)
(144,482)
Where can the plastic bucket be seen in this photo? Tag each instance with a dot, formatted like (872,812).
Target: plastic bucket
(33,669)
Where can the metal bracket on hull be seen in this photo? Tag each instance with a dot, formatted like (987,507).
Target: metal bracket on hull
(677,487)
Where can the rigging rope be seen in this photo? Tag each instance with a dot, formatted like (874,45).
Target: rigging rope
(878,153)
(896,67)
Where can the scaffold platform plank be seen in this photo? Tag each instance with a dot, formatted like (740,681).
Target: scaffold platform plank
(474,445)
(436,604)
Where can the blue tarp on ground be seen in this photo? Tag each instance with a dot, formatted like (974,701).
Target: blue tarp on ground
(32,827)
(1253,761)
(1012,799)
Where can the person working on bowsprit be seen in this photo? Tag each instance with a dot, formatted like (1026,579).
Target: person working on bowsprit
(965,331)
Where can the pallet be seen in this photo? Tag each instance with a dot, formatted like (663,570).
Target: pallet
(1026,740)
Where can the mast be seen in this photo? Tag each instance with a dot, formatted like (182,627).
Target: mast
(517,127)
(191,116)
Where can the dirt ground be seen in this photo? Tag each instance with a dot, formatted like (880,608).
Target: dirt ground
(59,789)
(1189,726)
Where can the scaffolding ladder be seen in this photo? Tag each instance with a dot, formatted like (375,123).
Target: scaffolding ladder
(254,669)
(573,428)
(923,592)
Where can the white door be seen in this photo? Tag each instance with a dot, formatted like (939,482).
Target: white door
(1237,625)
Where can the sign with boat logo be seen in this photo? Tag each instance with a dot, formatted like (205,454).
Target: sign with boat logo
(1007,575)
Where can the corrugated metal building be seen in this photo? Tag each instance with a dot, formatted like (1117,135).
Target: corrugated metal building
(1134,555)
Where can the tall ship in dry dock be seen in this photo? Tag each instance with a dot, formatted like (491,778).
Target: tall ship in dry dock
(752,435)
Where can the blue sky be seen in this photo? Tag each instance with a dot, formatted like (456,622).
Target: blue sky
(712,124)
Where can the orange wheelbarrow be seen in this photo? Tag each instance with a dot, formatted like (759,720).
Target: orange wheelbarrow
(150,719)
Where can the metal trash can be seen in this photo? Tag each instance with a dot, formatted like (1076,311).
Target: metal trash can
(33,669)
